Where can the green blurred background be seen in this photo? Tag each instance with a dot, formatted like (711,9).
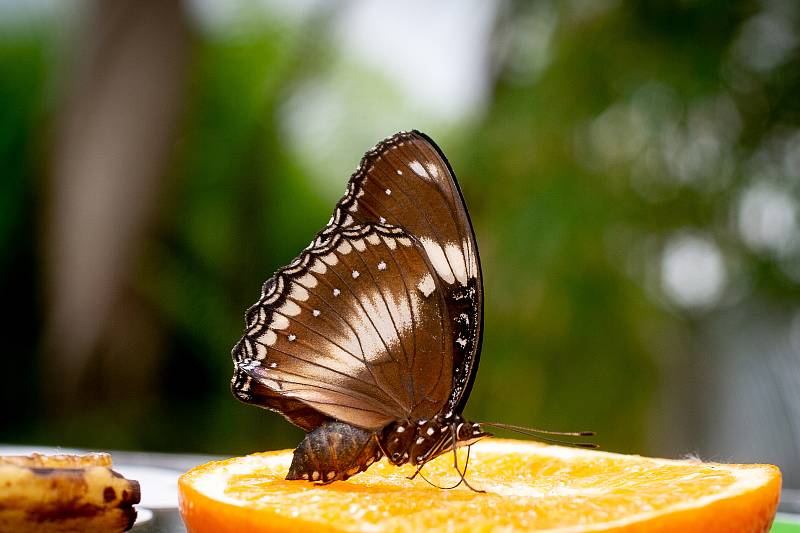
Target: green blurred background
(632,170)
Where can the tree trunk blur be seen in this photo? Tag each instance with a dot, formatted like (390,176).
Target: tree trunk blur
(111,147)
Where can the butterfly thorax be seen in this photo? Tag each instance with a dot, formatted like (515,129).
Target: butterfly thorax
(419,442)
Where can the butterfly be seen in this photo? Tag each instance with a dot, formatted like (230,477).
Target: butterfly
(370,339)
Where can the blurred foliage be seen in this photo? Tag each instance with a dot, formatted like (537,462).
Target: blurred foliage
(570,175)
(23,70)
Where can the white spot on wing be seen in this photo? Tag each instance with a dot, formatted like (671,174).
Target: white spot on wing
(318,267)
(336,292)
(356,274)
(433,169)
(438,259)
(309,280)
(299,293)
(331,259)
(268,338)
(383,220)
(426,285)
(418,169)
(455,256)
(344,248)
(279,322)
(382,265)
(315,312)
(292,337)
(388,192)
(290,308)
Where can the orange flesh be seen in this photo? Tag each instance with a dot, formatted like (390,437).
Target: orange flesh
(528,486)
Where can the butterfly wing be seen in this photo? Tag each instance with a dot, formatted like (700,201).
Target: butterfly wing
(407,181)
(252,390)
(353,329)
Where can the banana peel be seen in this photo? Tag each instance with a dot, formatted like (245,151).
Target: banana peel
(65,493)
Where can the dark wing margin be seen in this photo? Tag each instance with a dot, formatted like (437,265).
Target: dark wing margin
(340,333)
(407,181)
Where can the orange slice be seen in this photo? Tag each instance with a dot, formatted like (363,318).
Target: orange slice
(529,486)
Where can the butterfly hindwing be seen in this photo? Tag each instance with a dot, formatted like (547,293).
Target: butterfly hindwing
(250,390)
(355,328)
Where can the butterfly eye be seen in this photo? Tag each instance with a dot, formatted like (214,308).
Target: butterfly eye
(396,456)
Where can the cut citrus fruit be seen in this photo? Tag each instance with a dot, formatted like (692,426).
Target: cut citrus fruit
(529,486)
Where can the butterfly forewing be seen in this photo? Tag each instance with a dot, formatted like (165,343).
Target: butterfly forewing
(355,328)
(406,181)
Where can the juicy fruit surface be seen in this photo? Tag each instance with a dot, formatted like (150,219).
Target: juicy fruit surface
(528,486)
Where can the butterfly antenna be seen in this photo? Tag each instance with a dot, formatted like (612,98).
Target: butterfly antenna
(539,434)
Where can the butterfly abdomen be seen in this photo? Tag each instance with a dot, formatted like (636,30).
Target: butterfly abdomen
(334,451)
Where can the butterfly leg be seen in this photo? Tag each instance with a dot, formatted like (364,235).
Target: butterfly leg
(334,451)
(416,472)
(455,462)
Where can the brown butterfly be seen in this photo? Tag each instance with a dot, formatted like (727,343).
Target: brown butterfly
(369,340)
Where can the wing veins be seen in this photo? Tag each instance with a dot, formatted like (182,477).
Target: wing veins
(310,402)
(456,200)
(412,362)
(314,363)
(443,341)
(350,326)
(413,321)
(424,213)
(385,304)
(383,341)
(313,330)
(357,396)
